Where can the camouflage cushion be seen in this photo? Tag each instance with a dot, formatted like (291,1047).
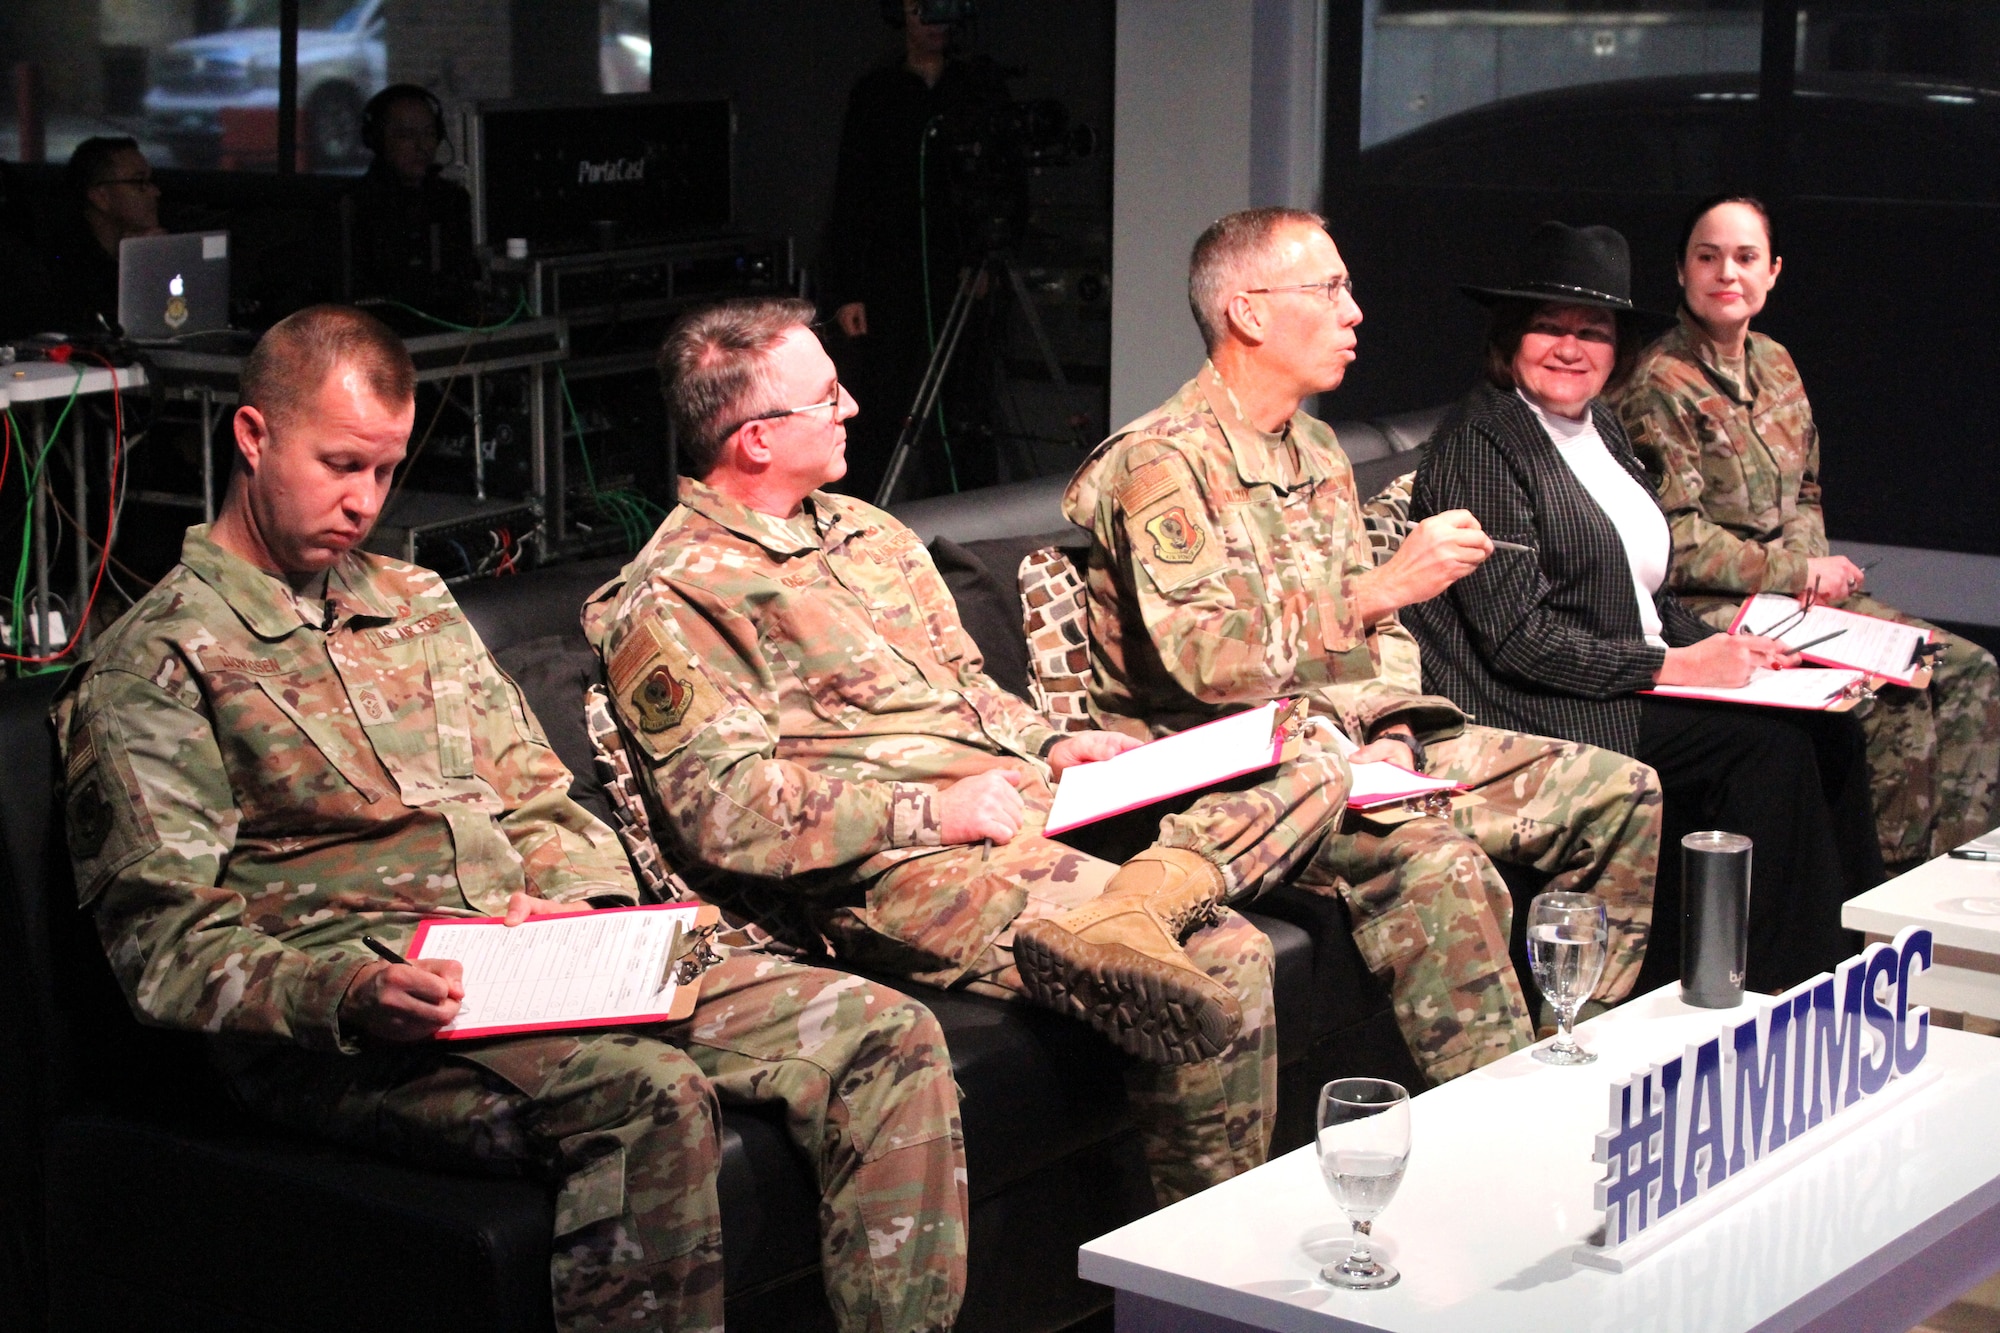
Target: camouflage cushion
(1386,516)
(631,819)
(1052,614)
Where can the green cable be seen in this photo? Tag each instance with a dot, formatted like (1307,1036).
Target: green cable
(520,308)
(924,249)
(629,511)
(31,478)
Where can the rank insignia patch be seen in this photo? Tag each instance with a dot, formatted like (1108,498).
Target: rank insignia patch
(1177,539)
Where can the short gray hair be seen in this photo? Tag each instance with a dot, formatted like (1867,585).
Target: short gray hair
(713,366)
(1222,255)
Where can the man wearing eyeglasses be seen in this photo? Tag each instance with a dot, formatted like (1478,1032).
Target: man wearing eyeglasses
(1229,567)
(114,189)
(826,755)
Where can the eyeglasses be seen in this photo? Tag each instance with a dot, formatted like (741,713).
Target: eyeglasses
(1330,289)
(781,412)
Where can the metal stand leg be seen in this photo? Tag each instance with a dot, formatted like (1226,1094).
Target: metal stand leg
(478,442)
(1048,348)
(38,622)
(207,456)
(557,532)
(80,498)
(933,381)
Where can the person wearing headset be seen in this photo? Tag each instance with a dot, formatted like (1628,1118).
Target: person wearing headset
(411,229)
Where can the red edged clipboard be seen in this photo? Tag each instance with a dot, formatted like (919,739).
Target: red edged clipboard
(605,968)
(1915,676)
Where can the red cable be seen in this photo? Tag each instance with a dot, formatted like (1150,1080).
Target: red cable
(110,520)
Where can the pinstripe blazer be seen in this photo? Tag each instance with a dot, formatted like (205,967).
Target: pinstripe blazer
(1548,643)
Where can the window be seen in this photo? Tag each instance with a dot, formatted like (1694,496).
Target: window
(1424,61)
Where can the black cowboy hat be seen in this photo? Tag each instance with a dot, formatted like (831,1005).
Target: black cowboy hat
(1574,265)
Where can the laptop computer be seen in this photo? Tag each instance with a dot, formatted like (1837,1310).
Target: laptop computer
(173,286)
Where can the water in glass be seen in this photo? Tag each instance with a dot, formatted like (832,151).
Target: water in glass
(1567,943)
(1364,1144)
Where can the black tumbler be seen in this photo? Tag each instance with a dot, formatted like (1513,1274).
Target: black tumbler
(1715,918)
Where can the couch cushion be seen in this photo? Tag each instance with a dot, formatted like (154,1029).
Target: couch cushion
(989,610)
(553,672)
(1054,616)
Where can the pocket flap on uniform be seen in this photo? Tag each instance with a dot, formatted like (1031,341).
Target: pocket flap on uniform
(594,1194)
(1392,939)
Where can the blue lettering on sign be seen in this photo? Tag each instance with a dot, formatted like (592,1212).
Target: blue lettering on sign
(1762,1083)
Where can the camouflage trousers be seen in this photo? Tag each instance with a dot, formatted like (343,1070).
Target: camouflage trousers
(1588,818)
(628,1122)
(1934,753)
(1204,1122)
(1432,914)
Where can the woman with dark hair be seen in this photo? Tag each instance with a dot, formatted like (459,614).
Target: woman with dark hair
(1719,418)
(1561,639)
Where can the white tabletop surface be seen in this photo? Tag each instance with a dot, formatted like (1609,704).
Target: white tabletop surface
(1498,1195)
(1936,895)
(38,381)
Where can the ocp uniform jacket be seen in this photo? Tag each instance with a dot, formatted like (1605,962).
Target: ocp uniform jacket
(1551,642)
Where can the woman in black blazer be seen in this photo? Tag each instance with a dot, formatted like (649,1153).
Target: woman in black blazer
(1560,640)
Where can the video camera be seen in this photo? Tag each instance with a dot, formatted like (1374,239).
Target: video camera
(985,150)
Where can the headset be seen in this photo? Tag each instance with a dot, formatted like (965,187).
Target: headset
(375,115)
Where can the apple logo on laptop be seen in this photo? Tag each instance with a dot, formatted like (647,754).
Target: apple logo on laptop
(177,306)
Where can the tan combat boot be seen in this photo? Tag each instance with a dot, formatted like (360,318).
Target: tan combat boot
(1118,964)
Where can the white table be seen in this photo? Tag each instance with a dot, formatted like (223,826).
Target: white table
(1959,902)
(39,386)
(1883,1225)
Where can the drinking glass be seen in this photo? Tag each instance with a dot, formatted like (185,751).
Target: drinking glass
(1364,1143)
(1567,933)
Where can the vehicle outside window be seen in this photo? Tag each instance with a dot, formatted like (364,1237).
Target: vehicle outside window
(213,99)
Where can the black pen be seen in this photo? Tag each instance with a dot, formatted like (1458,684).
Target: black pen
(1974,854)
(384,952)
(388,955)
(1814,643)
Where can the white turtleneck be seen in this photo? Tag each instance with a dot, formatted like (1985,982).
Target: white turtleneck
(1630,507)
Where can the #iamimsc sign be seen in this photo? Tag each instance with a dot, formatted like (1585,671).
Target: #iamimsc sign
(1681,1128)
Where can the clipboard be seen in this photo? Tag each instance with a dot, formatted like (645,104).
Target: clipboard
(1175,765)
(607,968)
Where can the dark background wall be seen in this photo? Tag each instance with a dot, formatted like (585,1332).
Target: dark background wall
(788,67)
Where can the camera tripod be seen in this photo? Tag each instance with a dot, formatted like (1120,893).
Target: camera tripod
(999,262)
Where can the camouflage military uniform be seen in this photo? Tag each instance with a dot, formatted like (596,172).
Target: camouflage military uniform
(1218,579)
(803,690)
(1737,468)
(254,781)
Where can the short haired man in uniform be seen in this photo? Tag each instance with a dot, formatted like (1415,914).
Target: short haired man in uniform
(1229,567)
(289,744)
(823,746)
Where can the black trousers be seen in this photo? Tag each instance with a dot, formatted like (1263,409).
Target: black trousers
(1796,784)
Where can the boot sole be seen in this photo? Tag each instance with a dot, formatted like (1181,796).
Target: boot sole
(1147,1008)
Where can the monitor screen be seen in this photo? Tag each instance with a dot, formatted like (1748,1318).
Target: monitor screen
(612,171)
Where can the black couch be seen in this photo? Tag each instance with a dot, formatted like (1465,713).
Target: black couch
(135,1196)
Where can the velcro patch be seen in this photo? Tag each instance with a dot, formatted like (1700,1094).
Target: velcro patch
(253,666)
(415,629)
(1175,541)
(659,689)
(1148,486)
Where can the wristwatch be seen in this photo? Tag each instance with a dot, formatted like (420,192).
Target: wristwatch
(1417,756)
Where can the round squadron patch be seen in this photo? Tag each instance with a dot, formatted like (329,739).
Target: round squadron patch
(1177,539)
(88,819)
